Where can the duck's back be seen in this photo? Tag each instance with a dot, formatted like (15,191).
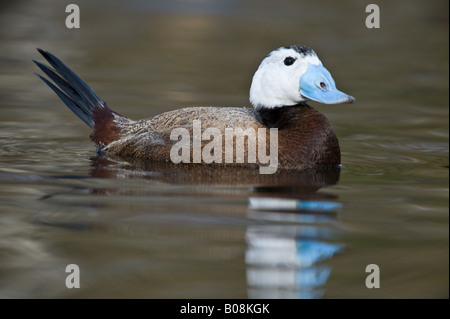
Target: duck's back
(218,117)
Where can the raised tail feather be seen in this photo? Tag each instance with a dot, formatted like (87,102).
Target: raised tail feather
(80,99)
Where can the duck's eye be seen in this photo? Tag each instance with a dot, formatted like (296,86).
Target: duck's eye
(289,60)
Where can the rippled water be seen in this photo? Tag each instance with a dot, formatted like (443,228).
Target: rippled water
(164,232)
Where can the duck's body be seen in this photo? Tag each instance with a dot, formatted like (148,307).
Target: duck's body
(305,136)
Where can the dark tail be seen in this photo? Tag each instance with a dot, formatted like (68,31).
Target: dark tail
(80,99)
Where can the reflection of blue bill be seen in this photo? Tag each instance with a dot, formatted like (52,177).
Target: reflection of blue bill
(312,251)
(288,252)
(318,206)
(279,266)
(312,277)
(268,203)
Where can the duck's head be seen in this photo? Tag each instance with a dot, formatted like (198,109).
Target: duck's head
(292,75)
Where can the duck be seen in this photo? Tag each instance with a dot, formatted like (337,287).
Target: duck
(287,78)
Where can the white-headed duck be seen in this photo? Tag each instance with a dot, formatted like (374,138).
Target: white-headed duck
(286,79)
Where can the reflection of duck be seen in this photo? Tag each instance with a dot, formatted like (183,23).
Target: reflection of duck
(287,253)
(285,80)
(304,181)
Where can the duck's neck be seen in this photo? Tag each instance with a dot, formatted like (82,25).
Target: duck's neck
(281,117)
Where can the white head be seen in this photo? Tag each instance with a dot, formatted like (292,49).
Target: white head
(291,75)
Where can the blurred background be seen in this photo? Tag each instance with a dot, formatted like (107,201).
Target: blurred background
(136,233)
